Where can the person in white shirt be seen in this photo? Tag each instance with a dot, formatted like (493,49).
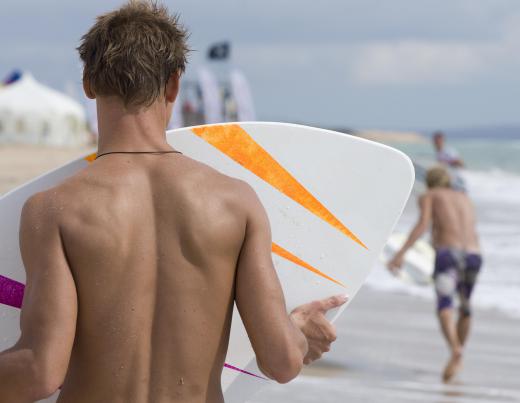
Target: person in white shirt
(449,157)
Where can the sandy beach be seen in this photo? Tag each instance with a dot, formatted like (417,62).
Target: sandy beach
(20,163)
(389,349)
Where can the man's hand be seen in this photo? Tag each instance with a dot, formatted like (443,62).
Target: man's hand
(320,333)
(395,264)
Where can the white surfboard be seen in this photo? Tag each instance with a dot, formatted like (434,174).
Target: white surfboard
(332,199)
(418,262)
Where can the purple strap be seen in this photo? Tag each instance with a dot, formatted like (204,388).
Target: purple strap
(11,292)
(226,365)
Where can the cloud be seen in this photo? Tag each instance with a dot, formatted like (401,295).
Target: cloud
(418,62)
(408,61)
(400,62)
(440,62)
(335,60)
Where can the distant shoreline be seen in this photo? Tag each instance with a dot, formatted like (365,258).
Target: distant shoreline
(503,133)
(387,136)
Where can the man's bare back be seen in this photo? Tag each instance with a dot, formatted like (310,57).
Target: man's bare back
(451,216)
(453,219)
(154,271)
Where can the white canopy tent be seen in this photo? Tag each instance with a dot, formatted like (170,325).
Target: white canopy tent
(33,113)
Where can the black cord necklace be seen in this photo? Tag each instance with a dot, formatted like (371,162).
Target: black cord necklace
(138,152)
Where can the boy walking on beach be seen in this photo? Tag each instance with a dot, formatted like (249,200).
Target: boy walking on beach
(134,264)
(457,261)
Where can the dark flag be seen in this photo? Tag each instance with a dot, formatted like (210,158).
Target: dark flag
(219,51)
(13,77)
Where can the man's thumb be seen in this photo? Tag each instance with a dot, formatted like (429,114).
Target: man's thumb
(333,302)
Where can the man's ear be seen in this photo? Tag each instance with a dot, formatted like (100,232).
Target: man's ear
(88,90)
(172,87)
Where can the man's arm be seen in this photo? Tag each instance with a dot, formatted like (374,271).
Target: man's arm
(281,342)
(425,205)
(455,159)
(450,157)
(36,366)
(457,163)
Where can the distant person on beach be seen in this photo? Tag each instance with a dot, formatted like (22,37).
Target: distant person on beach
(446,155)
(457,261)
(449,157)
(135,263)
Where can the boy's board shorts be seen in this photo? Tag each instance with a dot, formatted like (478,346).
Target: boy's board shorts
(455,273)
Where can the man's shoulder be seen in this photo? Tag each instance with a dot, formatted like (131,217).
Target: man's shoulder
(43,207)
(428,194)
(236,191)
(219,180)
(54,202)
(431,193)
(444,194)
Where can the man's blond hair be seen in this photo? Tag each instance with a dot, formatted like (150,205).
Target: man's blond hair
(132,52)
(438,177)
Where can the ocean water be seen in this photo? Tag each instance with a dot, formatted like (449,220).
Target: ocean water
(492,175)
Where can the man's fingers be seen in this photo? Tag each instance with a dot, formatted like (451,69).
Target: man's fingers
(331,334)
(333,302)
(311,356)
(394,269)
(316,351)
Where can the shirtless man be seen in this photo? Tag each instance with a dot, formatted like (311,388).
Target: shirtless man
(457,261)
(134,264)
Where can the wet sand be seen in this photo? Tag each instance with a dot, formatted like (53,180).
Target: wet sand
(389,349)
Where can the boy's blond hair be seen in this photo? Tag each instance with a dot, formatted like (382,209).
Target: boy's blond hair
(438,177)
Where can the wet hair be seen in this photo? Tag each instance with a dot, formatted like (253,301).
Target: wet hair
(132,52)
(438,177)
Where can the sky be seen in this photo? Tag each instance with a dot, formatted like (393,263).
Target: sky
(392,64)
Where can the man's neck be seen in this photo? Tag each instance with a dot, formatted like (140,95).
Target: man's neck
(121,129)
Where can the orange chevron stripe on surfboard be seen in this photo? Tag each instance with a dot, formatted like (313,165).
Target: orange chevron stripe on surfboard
(278,250)
(91,157)
(236,143)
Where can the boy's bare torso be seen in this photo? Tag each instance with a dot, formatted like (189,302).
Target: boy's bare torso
(152,242)
(453,220)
